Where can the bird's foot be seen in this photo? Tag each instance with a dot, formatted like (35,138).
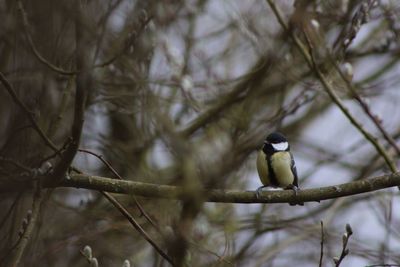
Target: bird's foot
(259,190)
(295,191)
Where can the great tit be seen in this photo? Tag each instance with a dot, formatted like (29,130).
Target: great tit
(275,164)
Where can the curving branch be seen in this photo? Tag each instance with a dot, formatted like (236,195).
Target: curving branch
(308,56)
(251,80)
(27,233)
(32,46)
(83,85)
(223,196)
(28,113)
(117,175)
(136,225)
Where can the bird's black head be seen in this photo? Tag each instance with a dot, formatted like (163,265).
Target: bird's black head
(276,138)
(275,142)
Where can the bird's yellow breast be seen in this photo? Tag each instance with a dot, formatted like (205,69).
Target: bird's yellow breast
(281,165)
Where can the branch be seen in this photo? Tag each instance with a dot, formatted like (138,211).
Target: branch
(367,110)
(28,113)
(129,42)
(111,168)
(82,87)
(348,34)
(137,227)
(127,215)
(353,120)
(33,47)
(345,250)
(250,81)
(217,195)
(28,231)
(329,89)
(321,255)
(62,108)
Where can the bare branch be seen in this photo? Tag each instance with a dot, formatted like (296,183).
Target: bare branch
(345,250)
(224,196)
(322,244)
(33,47)
(251,80)
(137,226)
(111,168)
(28,113)
(83,83)
(28,231)
(331,92)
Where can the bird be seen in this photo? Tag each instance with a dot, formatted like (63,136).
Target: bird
(276,166)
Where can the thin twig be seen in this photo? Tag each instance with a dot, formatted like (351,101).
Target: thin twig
(103,21)
(299,101)
(345,250)
(249,81)
(367,110)
(62,108)
(322,244)
(58,153)
(20,248)
(346,37)
(131,220)
(346,112)
(6,215)
(110,167)
(129,42)
(103,160)
(28,113)
(137,226)
(25,24)
(82,86)
(16,164)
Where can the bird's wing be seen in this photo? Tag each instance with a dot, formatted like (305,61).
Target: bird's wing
(294,171)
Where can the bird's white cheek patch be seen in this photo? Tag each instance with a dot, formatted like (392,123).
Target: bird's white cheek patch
(280,146)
